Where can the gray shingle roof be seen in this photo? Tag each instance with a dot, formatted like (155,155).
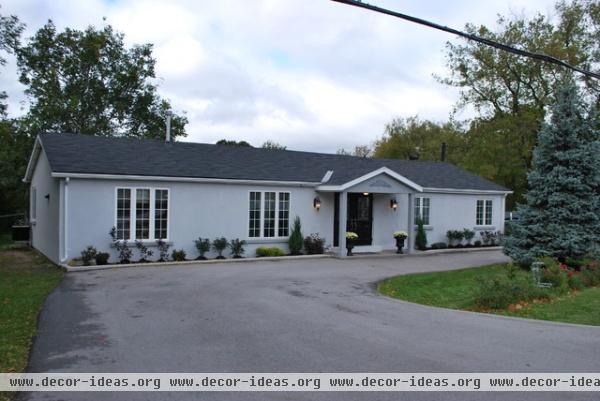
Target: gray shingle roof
(71,153)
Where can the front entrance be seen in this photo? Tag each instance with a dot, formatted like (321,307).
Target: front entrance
(360,217)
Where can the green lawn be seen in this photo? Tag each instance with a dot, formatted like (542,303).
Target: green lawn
(26,278)
(456,290)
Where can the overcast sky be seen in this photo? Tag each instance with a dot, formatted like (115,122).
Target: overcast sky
(310,74)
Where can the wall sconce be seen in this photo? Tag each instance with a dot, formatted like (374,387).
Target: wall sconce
(394,204)
(317,203)
(47,196)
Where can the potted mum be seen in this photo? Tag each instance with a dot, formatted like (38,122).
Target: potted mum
(351,238)
(400,236)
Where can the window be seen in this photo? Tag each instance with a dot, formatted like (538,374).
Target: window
(123,213)
(483,214)
(284,214)
(33,203)
(269,214)
(161,213)
(269,219)
(142,213)
(422,206)
(254,228)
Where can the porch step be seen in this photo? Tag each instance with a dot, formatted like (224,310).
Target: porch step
(367,249)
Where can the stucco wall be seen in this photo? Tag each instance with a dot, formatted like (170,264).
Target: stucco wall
(458,211)
(45,227)
(196,210)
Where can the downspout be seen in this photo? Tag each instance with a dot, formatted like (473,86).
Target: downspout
(65,221)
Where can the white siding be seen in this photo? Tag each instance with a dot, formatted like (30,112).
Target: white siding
(195,210)
(45,226)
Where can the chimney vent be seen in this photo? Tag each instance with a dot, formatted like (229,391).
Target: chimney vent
(168,123)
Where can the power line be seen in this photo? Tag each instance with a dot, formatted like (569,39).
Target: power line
(475,38)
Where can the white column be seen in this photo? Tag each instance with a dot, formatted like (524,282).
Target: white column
(343,217)
(411,230)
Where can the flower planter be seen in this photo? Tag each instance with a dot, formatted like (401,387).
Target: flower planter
(399,244)
(349,246)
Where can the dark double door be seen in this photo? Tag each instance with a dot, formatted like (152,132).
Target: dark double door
(359,219)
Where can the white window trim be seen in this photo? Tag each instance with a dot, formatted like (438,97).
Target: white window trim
(483,223)
(420,214)
(132,213)
(262,215)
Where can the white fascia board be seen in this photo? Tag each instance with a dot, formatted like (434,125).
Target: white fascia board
(466,191)
(184,179)
(35,153)
(382,170)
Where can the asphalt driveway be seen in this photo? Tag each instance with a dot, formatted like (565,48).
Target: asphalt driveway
(290,316)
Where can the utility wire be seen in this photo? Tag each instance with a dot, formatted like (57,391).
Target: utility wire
(510,49)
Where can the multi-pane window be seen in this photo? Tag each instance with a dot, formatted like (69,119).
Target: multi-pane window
(123,213)
(422,206)
(284,215)
(161,213)
(142,213)
(254,226)
(483,214)
(269,219)
(269,214)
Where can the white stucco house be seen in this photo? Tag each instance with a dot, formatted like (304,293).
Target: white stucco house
(81,186)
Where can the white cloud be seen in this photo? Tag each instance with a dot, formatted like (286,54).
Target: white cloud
(310,75)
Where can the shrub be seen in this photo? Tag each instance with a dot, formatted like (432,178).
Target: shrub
(295,241)
(102,258)
(145,253)
(269,251)
(439,245)
(219,245)
(237,247)
(163,250)
(203,246)
(500,291)
(178,255)
(477,243)
(590,275)
(421,238)
(555,274)
(314,244)
(87,255)
(468,235)
(125,253)
(454,236)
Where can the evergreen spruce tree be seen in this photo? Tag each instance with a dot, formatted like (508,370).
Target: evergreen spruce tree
(296,240)
(561,217)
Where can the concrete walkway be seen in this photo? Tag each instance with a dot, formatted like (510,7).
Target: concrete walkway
(291,316)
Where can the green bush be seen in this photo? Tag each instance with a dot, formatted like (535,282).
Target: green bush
(87,255)
(237,247)
(102,258)
(554,274)
(178,255)
(468,235)
(203,246)
(219,245)
(295,242)
(421,238)
(439,245)
(269,251)
(477,243)
(500,291)
(590,274)
(314,244)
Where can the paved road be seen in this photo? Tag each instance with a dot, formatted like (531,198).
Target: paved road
(290,316)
